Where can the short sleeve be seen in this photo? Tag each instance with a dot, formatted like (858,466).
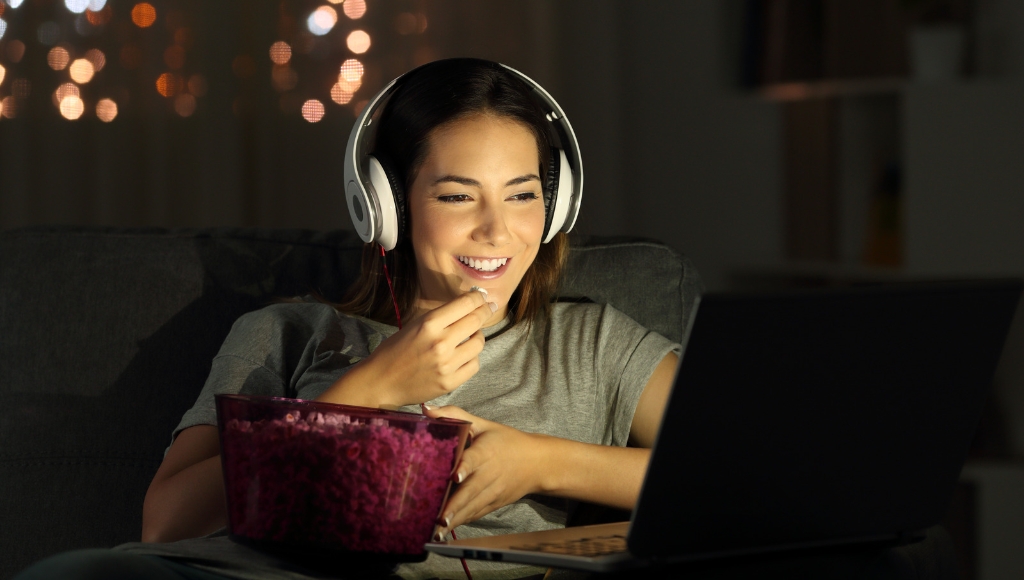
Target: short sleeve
(626,354)
(293,350)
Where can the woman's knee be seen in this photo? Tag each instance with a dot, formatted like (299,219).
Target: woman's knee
(98,564)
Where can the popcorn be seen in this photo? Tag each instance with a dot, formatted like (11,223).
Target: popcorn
(326,480)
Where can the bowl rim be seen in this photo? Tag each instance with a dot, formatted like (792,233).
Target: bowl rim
(324,406)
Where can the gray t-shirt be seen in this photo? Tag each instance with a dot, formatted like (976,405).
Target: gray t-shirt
(577,374)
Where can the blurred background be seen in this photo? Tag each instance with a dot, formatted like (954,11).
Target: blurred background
(778,143)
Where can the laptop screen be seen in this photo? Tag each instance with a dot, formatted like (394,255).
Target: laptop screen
(820,416)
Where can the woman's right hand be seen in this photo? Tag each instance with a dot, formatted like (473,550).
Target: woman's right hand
(432,355)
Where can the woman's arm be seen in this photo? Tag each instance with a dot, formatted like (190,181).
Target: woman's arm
(504,464)
(186,498)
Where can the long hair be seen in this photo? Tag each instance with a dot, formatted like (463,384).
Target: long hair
(428,97)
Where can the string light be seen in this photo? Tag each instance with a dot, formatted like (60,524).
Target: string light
(143,15)
(358,41)
(97,58)
(76,6)
(280,52)
(354,9)
(58,58)
(312,110)
(304,34)
(351,70)
(81,71)
(72,107)
(106,110)
(185,105)
(322,20)
(9,107)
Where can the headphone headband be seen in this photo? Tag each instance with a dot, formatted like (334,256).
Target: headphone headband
(369,193)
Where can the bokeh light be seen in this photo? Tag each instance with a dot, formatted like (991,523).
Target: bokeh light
(197,85)
(3,72)
(322,20)
(185,105)
(58,58)
(14,3)
(9,107)
(340,94)
(168,84)
(97,58)
(183,36)
(405,23)
(15,50)
(72,107)
(312,110)
(3,27)
(143,15)
(280,52)
(174,57)
(81,71)
(99,17)
(358,41)
(351,70)
(64,91)
(354,9)
(350,86)
(106,110)
(96,6)
(283,78)
(47,33)
(76,6)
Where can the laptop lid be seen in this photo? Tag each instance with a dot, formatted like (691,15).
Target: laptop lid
(820,417)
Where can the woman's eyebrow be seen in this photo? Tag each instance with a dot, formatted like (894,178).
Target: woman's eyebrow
(470,182)
(522,179)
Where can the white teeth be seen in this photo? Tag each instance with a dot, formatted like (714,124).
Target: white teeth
(483,265)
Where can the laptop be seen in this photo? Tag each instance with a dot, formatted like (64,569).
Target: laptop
(798,420)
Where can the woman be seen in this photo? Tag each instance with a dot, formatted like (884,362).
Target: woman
(554,391)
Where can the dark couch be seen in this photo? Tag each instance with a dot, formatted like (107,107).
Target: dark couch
(106,337)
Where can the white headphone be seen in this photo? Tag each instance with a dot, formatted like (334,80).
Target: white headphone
(375,194)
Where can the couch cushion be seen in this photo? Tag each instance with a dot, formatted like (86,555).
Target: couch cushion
(107,338)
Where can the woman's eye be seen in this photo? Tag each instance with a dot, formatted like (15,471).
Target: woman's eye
(454,198)
(525,196)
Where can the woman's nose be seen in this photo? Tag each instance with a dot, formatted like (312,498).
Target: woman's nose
(492,227)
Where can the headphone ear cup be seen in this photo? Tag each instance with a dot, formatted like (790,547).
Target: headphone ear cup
(550,191)
(391,193)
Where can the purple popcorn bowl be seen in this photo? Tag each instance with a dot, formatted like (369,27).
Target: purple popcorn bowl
(306,478)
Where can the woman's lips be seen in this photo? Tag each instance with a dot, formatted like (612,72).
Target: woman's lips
(481,275)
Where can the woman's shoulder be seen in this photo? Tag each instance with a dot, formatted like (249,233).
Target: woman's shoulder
(306,312)
(586,312)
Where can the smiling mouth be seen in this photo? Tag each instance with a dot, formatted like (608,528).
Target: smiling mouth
(483,265)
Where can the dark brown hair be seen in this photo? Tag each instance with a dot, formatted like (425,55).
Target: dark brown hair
(428,97)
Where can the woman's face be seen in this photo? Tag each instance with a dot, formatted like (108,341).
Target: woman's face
(476,210)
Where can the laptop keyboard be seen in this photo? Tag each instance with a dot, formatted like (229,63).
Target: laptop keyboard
(596,546)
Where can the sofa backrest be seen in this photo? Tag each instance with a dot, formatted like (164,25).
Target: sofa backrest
(106,337)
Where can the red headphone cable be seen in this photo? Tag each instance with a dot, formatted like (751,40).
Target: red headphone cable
(387,276)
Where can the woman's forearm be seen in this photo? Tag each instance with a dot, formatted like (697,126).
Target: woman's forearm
(600,474)
(188,504)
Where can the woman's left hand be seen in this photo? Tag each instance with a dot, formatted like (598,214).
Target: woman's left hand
(501,466)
